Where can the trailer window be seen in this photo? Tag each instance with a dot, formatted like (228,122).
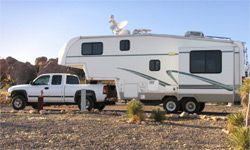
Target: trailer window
(95,48)
(124,45)
(206,61)
(56,80)
(154,65)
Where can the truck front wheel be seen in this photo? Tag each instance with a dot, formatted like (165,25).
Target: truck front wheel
(18,102)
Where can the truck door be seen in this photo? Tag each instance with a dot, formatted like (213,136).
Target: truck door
(40,84)
(54,93)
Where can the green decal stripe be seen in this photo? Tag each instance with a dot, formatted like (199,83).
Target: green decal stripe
(145,76)
(215,83)
(199,87)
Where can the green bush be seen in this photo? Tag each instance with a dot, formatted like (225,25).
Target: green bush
(135,111)
(235,120)
(240,138)
(158,115)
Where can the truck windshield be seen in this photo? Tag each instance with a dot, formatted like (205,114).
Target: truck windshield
(72,80)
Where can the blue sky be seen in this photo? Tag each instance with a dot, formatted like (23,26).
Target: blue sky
(33,28)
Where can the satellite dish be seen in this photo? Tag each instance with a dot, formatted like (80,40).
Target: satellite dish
(118,28)
(122,24)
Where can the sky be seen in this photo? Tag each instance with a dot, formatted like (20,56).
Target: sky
(34,28)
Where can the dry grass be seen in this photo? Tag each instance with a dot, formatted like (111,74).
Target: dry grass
(158,115)
(234,121)
(135,111)
(240,138)
(244,91)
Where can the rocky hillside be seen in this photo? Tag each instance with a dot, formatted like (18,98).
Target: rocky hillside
(14,72)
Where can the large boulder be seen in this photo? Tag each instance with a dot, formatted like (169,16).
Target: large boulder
(3,66)
(40,62)
(21,73)
(10,60)
(53,67)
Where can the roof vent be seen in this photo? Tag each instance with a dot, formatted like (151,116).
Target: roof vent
(194,34)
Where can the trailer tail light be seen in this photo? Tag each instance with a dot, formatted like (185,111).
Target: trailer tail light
(105,89)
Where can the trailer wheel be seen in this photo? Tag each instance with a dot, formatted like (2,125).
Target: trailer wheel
(202,106)
(18,102)
(170,104)
(190,105)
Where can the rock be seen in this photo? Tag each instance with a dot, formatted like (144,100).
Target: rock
(194,115)
(42,112)
(225,131)
(203,117)
(32,111)
(13,111)
(21,73)
(10,60)
(174,116)
(3,66)
(52,67)
(214,118)
(223,118)
(40,61)
(184,114)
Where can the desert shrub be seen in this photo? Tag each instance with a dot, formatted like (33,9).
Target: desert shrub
(240,138)
(158,115)
(244,90)
(135,111)
(234,121)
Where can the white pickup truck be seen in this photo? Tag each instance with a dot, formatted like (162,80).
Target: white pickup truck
(58,89)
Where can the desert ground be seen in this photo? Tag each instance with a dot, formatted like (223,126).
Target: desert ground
(65,127)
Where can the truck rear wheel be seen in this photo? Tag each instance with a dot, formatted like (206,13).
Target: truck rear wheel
(18,102)
(170,104)
(89,104)
(202,106)
(100,107)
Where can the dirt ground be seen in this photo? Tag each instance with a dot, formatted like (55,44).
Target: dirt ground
(64,127)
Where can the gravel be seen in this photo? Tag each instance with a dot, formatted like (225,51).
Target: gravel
(57,129)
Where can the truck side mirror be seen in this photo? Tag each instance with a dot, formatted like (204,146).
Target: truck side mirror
(31,83)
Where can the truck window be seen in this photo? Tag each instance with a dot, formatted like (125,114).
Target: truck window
(43,80)
(56,79)
(209,61)
(72,80)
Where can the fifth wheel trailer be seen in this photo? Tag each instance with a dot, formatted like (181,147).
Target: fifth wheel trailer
(182,72)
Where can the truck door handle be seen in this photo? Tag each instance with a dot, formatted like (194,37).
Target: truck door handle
(46,88)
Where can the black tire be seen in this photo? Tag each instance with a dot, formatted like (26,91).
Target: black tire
(89,104)
(170,104)
(190,105)
(18,102)
(202,106)
(34,106)
(100,107)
